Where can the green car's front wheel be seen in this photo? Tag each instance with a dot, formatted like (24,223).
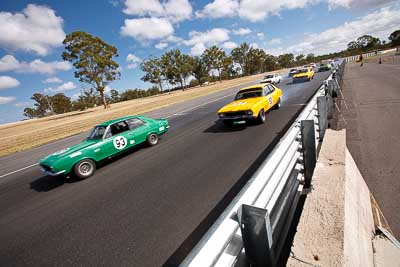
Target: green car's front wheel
(152,139)
(84,168)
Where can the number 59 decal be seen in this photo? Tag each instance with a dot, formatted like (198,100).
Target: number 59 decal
(270,100)
(120,142)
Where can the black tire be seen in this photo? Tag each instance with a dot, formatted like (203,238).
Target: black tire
(84,168)
(278,104)
(152,139)
(261,116)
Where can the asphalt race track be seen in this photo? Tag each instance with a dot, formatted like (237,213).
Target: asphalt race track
(140,207)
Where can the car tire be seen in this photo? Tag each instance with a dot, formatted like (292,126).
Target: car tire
(152,139)
(84,168)
(261,116)
(278,104)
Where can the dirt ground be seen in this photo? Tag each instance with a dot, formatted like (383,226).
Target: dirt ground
(372,97)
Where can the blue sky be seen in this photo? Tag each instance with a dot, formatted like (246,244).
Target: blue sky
(31,34)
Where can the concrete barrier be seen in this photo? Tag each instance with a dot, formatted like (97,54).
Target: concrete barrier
(336,227)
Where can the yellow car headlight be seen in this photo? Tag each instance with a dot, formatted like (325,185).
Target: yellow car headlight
(249,112)
(221,115)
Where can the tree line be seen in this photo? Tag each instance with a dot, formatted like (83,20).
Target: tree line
(173,70)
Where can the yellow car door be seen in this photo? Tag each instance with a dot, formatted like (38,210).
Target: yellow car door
(272,96)
(267,98)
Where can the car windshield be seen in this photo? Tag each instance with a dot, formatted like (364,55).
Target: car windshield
(303,70)
(293,70)
(97,132)
(269,76)
(248,94)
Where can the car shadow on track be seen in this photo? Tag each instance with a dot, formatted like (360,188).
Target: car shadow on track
(48,183)
(219,127)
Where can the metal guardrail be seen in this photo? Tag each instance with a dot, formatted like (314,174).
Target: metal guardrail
(259,217)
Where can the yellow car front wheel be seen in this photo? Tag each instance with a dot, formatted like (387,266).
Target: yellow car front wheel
(261,116)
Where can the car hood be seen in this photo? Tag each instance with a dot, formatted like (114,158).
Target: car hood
(242,104)
(66,152)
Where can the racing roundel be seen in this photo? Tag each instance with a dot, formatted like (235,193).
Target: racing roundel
(120,142)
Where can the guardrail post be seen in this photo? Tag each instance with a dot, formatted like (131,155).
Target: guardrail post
(309,150)
(322,107)
(255,227)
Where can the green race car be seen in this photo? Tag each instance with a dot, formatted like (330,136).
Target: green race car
(105,140)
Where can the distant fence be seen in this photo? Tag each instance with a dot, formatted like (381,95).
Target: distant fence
(369,55)
(259,217)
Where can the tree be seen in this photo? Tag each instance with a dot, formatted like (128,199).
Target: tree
(177,67)
(30,113)
(114,96)
(199,69)
(154,71)
(214,59)
(286,60)
(364,43)
(60,103)
(42,104)
(310,58)
(300,59)
(269,63)
(395,38)
(254,60)
(92,59)
(240,56)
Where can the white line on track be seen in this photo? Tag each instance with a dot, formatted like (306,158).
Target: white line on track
(24,168)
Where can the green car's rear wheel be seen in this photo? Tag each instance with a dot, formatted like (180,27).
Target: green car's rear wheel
(152,139)
(84,168)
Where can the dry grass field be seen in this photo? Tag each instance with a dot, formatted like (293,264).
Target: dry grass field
(23,135)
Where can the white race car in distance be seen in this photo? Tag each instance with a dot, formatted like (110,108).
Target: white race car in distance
(272,78)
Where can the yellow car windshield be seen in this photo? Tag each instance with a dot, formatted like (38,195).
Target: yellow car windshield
(248,94)
(303,71)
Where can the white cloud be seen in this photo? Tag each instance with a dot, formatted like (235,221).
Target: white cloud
(143,7)
(133,60)
(10,63)
(241,31)
(161,45)
(211,37)
(8,82)
(257,10)
(379,23)
(229,45)
(174,39)
(219,9)
(173,10)
(6,100)
(254,45)
(254,10)
(198,49)
(260,35)
(178,10)
(145,29)
(201,40)
(274,41)
(358,3)
(61,88)
(36,29)
(52,80)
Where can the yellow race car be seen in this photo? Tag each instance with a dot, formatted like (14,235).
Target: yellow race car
(251,103)
(305,74)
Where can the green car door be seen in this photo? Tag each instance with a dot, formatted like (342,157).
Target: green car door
(118,138)
(140,129)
